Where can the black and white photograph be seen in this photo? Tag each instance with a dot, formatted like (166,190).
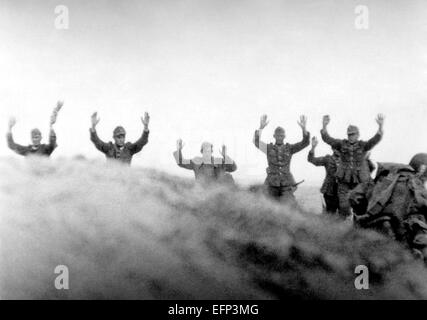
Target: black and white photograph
(213,150)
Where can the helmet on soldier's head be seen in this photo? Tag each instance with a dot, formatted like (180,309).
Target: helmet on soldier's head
(119,131)
(279,130)
(418,160)
(352,129)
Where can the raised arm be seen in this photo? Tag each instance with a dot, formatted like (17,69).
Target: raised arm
(378,136)
(228,163)
(180,161)
(334,143)
(52,135)
(296,147)
(317,161)
(257,136)
(99,144)
(142,141)
(22,150)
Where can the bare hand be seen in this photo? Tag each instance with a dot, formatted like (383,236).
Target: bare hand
(380,119)
(179,145)
(263,122)
(12,122)
(59,105)
(314,142)
(302,122)
(145,120)
(325,121)
(95,119)
(54,115)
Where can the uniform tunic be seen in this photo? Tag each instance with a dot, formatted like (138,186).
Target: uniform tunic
(213,170)
(279,160)
(41,150)
(330,163)
(112,151)
(353,168)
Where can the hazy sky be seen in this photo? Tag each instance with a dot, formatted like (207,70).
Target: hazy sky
(207,69)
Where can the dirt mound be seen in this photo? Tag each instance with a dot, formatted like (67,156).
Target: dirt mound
(140,234)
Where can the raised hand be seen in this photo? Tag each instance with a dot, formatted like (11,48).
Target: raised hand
(12,122)
(54,115)
(145,120)
(59,105)
(380,119)
(95,119)
(302,122)
(223,151)
(325,121)
(179,144)
(263,122)
(314,142)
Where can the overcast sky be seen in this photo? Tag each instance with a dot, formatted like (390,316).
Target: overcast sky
(206,70)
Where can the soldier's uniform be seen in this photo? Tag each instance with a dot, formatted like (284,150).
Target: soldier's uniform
(329,186)
(216,170)
(353,167)
(40,150)
(395,203)
(112,151)
(280,181)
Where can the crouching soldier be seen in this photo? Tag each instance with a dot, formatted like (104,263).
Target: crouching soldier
(395,203)
(280,181)
(353,167)
(207,169)
(36,148)
(329,186)
(120,150)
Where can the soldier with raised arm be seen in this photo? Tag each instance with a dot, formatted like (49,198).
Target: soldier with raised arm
(353,167)
(280,181)
(119,150)
(329,186)
(207,168)
(36,147)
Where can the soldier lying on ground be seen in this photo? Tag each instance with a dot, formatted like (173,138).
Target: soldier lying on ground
(36,148)
(395,203)
(280,182)
(207,168)
(353,167)
(120,150)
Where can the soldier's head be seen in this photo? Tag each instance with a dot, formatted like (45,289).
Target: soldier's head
(36,137)
(352,133)
(206,149)
(419,163)
(119,136)
(335,153)
(279,135)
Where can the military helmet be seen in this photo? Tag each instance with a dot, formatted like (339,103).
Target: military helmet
(119,131)
(418,160)
(352,129)
(279,130)
(35,132)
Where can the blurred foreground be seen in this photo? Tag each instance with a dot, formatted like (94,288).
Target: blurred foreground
(140,234)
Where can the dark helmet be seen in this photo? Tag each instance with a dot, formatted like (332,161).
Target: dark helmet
(418,160)
(119,131)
